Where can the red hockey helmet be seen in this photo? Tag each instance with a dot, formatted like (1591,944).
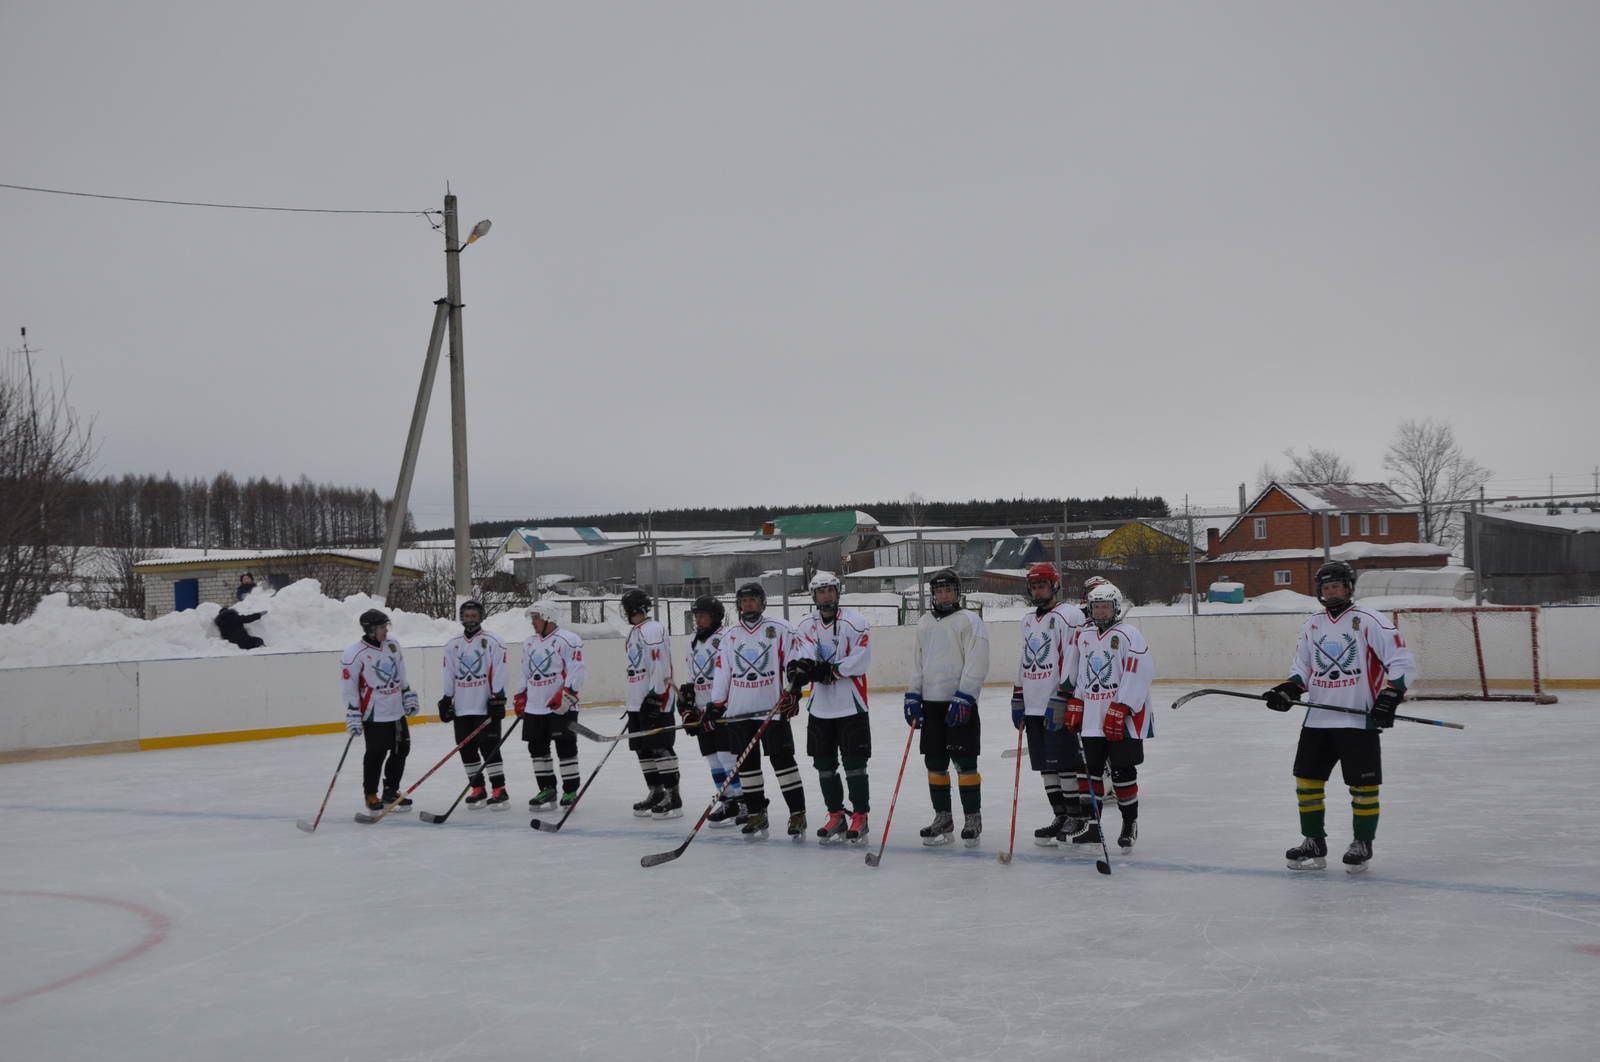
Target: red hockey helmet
(1044,573)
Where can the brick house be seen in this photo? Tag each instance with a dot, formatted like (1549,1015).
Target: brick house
(1285,534)
(174,585)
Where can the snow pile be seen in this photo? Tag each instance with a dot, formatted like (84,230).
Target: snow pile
(299,618)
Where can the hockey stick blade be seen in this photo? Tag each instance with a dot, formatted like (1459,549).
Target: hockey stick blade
(306,826)
(1103,866)
(428,816)
(1003,858)
(655,859)
(873,859)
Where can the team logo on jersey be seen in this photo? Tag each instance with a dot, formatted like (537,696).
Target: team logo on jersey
(1335,658)
(1102,671)
(541,667)
(1036,652)
(469,666)
(753,665)
(702,664)
(635,657)
(772,632)
(483,643)
(1355,623)
(1114,641)
(388,671)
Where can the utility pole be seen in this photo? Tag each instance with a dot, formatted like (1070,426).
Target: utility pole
(458,402)
(408,460)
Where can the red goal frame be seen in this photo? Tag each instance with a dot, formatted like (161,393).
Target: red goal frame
(1474,613)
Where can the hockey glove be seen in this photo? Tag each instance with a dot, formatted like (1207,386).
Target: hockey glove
(1075,715)
(1055,712)
(686,696)
(799,672)
(1281,697)
(497,705)
(714,713)
(554,703)
(963,709)
(788,707)
(1018,709)
(825,672)
(352,720)
(913,709)
(447,708)
(1383,707)
(569,700)
(519,703)
(410,701)
(652,704)
(1116,724)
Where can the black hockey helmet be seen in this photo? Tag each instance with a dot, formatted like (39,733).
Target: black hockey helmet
(752,590)
(373,618)
(1337,572)
(945,577)
(711,607)
(470,602)
(635,602)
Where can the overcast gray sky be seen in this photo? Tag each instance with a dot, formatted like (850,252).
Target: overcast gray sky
(749,253)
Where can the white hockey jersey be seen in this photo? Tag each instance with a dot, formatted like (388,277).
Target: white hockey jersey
(1042,667)
(550,665)
(701,661)
(1113,665)
(952,653)
(649,663)
(1344,662)
(473,669)
(374,677)
(845,642)
(749,670)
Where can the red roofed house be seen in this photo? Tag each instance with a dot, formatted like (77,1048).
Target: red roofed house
(1277,544)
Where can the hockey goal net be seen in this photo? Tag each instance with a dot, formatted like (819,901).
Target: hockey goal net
(1475,653)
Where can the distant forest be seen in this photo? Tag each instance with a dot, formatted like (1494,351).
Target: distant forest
(996,512)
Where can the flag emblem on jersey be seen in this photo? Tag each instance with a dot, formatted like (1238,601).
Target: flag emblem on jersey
(754,664)
(1101,668)
(1036,652)
(1335,658)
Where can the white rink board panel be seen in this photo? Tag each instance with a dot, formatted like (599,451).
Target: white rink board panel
(80,704)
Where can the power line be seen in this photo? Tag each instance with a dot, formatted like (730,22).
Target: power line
(216,206)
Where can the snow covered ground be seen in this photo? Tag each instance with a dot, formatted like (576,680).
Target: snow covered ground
(162,904)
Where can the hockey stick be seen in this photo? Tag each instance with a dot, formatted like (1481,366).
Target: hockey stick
(873,859)
(1187,697)
(311,827)
(556,826)
(428,816)
(627,735)
(367,818)
(657,858)
(1103,864)
(1016,788)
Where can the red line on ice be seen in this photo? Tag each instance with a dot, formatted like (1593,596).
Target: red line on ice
(156,926)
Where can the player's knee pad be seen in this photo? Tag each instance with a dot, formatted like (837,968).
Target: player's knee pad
(1125,775)
(855,766)
(827,768)
(937,764)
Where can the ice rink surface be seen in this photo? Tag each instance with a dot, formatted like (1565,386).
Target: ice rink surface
(162,904)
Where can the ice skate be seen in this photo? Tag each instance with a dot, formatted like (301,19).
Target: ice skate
(373,803)
(1071,827)
(499,800)
(1129,834)
(1050,836)
(832,830)
(669,806)
(569,798)
(543,800)
(1357,856)
(1310,854)
(942,830)
(857,830)
(642,809)
(755,826)
(724,815)
(1089,835)
(797,826)
(400,803)
(477,796)
(971,828)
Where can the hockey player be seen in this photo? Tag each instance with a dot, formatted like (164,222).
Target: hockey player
(1106,700)
(474,687)
(377,700)
(949,665)
(833,654)
(1350,657)
(695,694)
(746,685)
(1052,751)
(649,663)
(552,676)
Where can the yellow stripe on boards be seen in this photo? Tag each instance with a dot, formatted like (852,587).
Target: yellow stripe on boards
(182,741)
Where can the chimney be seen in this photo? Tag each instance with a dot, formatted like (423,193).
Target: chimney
(1241,497)
(1212,536)
(768,529)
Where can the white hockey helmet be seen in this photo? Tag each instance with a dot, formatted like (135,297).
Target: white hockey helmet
(545,610)
(823,580)
(1108,593)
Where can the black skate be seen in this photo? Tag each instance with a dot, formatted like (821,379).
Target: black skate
(500,800)
(670,806)
(971,828)
(724,815)
(797,826)
(395,802)
(857,830)
(1049,836)
(643,809)
(477,797)
(942,830)
(755,826)
(1357,856)
(543,800)
(1090,834)
(1310,854)
(832,830)
(1129,834)
(1072,826)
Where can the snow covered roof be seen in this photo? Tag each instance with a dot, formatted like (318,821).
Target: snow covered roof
(1349,551)
(716,548)
(234,557)
(943,534)
(543,538)
(888,572)
(1576,521)
(1315,497)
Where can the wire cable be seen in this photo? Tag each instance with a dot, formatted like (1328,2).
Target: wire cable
(216,206)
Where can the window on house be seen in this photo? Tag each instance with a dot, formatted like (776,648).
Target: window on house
(1383,524)
(1282,577)
(1366,525)
(1261,527)
(1344,524)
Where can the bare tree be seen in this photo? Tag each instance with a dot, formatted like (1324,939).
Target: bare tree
(44,448)
(1428,466)
(1266,475)
(1318,466)
(127,585)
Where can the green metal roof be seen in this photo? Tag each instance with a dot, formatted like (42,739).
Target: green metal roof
(820,525)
